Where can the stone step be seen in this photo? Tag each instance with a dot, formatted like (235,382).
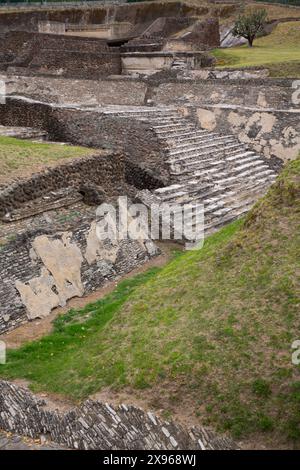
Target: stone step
(139,110)
(208,190)
(202,140)
(206,143)
(162,119)
(220,155)
(198,195)
(241,179)
(167,189)
(149,119)
(185,136)
(233,158)
(253,172)
(187,167)
(169,135)
(165,128)
(218,221)
(185,139)
(228,170)
(209,150)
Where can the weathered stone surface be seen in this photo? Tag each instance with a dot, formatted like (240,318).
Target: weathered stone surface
(272,133)
(41,271)
(99,249)
(37,295)
(63,260)
(60,55)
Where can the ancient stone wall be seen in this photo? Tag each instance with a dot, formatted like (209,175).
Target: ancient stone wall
(264,93)
(265,104)
(164,27)
(168,90)
(100,169)
(203,35)
(271,133)
(52,27)
(68,56)
(133,13)
(95,425)
(76,64)
(96,130)
(41,271)
(148,62)
(261,113)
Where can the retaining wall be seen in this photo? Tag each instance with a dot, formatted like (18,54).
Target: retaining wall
(133,13)
(91,129)
(95,425)
(102,170)
(273,134)
(41,271)
(56,54)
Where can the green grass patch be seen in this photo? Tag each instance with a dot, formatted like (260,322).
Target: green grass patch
(213,327)
(64,361)
(18,156)
(279,51)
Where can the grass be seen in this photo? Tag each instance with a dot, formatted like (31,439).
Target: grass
(212,329)
(19,156)
(279,51)
(71,346)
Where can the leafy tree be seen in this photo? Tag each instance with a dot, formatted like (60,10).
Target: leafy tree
(248,26)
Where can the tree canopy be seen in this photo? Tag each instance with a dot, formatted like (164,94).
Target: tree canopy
(248,26)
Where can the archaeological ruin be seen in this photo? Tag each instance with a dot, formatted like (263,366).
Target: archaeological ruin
(137,87)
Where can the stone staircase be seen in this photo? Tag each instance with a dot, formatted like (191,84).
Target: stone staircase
(205,167)
(179,64)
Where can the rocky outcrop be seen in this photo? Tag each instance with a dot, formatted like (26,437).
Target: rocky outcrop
(228,40)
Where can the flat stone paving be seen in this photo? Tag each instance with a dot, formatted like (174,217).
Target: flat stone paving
(10,441)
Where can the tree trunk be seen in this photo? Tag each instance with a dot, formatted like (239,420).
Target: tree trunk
(250,42)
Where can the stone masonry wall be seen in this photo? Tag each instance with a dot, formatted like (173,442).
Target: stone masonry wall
(134,13)
(237,107)
(261,113)
(264,93)
(274,134)
(164,27)
(204,35)
(101,170)
(42,270)
(95,425)
(68,56)
(91,129)
(167,90)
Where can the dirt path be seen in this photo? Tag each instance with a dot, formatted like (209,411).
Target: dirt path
(36,329)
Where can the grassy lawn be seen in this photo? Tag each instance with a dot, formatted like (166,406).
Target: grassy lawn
(18,157)
(213,327)
(279,51)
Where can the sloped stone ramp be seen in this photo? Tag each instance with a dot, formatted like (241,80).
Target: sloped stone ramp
(95,425)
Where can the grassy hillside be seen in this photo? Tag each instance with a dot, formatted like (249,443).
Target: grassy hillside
(211,332)
(18,157)
(279,51)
